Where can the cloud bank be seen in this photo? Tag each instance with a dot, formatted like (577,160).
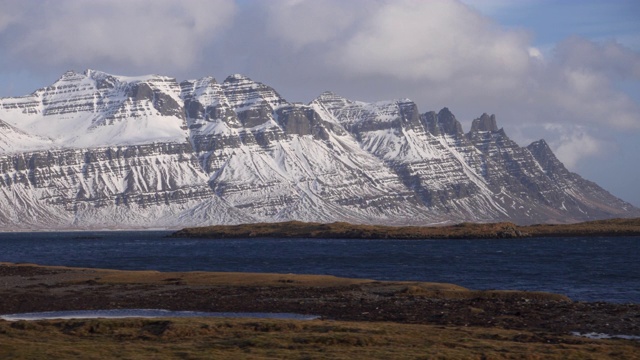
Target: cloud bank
(438,53)
(119,32)
(444,53)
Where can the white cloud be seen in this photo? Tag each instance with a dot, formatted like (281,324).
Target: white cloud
(576,145)
(608,57)
(304,22)
(578,85)
(496,6)
(589,97)
(431,40)
(139,33)
(5,20)
(535,53)
(438,53)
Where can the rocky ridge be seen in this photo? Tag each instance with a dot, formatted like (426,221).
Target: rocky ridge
(96,150)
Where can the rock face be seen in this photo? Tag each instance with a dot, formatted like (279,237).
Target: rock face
(95,150)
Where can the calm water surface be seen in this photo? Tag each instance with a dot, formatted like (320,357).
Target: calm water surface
(591,269)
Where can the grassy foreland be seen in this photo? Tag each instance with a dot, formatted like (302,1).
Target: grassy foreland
(297,229)
(279,339)
(361,319)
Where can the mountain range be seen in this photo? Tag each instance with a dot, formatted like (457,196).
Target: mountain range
(100,151)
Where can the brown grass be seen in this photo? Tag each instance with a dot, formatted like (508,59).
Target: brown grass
(72,276)
(297,229)
(284,339)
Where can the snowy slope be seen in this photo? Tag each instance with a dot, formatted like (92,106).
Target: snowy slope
(395,133)
(95,150)
(97,109)
(285,161)
(13,140)
(112,187)
(478,176)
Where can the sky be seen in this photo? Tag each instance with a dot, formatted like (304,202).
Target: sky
(567,71)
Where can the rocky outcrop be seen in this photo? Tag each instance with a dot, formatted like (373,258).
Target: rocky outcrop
(484,123)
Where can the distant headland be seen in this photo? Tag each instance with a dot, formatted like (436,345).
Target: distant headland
(342,230)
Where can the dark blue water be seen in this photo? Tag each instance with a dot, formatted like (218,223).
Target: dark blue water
(589,269)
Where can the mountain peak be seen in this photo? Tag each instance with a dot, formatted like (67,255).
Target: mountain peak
(546,158)
(330,96)
(540,144)
(484,123)
(94,73)
(237,78)
(208,79)
(102,76)
(71,75)
(448,123)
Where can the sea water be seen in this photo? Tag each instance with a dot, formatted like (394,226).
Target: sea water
(147,313)
(585,269)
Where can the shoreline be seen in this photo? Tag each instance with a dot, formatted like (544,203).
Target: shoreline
(360,318)
(341,230)
(32,288)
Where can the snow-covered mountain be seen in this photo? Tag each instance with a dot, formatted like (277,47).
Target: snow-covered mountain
(95,150)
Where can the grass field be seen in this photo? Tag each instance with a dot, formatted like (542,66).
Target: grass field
(285,339)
